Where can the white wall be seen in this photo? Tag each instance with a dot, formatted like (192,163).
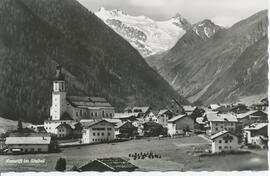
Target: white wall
(229,146)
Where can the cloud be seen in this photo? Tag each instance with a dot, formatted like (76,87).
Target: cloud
(148,3)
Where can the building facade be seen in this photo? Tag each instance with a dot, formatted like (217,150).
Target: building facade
(224,141)
(98,131)
(180,124)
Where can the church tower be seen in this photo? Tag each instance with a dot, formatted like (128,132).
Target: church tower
(59,105)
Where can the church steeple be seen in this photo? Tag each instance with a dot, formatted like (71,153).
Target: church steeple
(58,95)
(59,83)
(59,75)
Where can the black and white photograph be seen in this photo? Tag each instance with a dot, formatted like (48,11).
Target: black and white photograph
(133,85)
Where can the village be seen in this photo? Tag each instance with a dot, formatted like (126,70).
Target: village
(77,121)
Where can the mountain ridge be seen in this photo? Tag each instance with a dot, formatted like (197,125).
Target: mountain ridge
(193,65)
(39,34)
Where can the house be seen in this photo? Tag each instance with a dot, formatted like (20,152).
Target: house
(108,164)
(175,107)
(141,109)
(75,107)
(29,143)
(188,109)
(213,106)
(224,141)
(150,116)
(126,116)
(255,116)
(236,109)
(97,131)
(163,116)
(180,124)
(220,122)
(256,134)
(125,130)
(51,127)
(199,125)
(64,130)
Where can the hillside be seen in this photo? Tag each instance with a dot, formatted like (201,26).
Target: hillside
(229,64)
(146,35)
(9,125)
(36,35)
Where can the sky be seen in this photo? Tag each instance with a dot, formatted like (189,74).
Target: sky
(222,12)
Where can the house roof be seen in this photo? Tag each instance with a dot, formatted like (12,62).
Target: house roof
(114,164)
(125,115)
(199,120)
(214,106)
(115,121)
(142,109)
(44,139)
(177,117)
(92,123)
(189,108)
(213,117)
(163,111)
(221,133)
(64,125)
(255,126)
(243,115)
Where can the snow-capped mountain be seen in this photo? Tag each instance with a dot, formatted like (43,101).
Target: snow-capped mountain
(205,29)
(146,35)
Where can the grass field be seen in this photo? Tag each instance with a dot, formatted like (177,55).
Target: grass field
(175,156)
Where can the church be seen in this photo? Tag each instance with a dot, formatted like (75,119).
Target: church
(71,109)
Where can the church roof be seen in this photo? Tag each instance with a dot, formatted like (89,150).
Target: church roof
(66,116)
(59,75)
(88,102)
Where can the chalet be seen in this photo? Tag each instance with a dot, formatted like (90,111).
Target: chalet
(64,131)
(163,116)
(97,131)
(189,109)
(126,116)
(236,109)
(256,134)
(252,117)
(141,109)
(108,164)
(220,122)
(125,130)
(29,143)
(180,124)
(150,116)
(175,107)
(213,106)
(224,141)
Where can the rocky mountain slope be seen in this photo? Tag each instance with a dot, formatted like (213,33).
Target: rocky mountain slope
(223,66)
(36,35)
(146,35)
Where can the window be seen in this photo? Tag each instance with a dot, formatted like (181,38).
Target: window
(102,134)
(77,114)
(109,129)
(226,141)
(96,114)
(230,147)
(98,134)
(109,134)
(219,147)
(26,150)
(216,129)
(226,147)
(219,141)
(94,134)
(80,112)
(93,140)
(39,149)
(32,149)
